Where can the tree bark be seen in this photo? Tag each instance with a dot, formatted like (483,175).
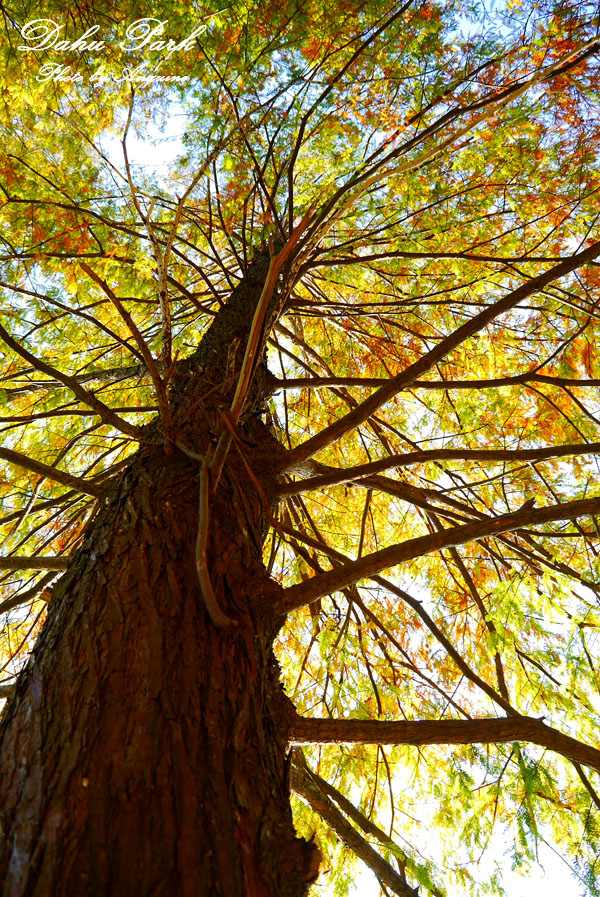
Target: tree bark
(144,751)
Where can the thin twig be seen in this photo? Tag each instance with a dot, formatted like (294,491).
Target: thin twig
(158,382)
(162,298)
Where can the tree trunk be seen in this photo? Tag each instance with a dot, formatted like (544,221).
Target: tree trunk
(144,752)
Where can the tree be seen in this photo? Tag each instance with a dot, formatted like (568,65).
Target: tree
(299,448)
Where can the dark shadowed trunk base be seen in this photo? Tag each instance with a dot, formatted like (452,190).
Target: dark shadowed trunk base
(144,752)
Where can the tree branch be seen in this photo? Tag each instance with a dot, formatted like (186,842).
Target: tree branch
(304,784)
(88,398)
(396,384)
(51,473)
(113,375)
(490,383)
(37,590)
(35,562)
(333,580)
(402,254)
(330,476)
(160,385)
(474,731)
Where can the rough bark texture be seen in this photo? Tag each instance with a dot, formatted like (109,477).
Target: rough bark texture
(145,750)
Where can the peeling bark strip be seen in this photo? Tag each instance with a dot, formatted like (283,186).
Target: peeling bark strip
(340,577)
(162,737)
(423,732)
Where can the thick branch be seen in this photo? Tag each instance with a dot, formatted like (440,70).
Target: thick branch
(51,473)
(88,398)
(368,827)
(333,580)
(417,607)
(37,591)
(396,384)
(489,383)
(303,784)
(332,476)
(117,374)
(113,375)
(405,254)
(472,731)
(35,562)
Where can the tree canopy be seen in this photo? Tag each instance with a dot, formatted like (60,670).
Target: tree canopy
(425,178)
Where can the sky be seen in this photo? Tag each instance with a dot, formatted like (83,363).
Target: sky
(551,878)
